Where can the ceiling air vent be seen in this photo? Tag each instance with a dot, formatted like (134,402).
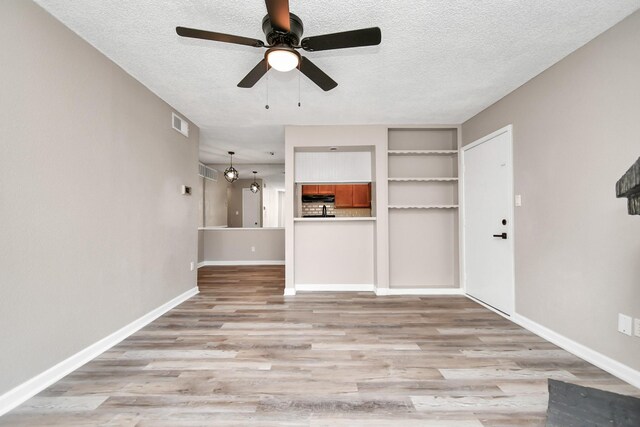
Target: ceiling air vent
(180,124)
(207,172)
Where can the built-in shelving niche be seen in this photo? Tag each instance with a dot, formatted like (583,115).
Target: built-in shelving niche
(423,208)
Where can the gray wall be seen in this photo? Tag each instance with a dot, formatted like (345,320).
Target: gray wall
(215,202)
(94,231)
(234,201)
(576,131)
(229,244)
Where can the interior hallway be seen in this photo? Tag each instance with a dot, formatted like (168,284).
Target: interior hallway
(240,353)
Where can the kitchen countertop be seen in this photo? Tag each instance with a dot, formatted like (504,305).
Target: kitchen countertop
(336,219)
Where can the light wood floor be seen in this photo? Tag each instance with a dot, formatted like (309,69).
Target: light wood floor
(241,354)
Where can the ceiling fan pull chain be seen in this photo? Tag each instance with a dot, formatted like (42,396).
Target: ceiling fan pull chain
(267,106)
(298,85)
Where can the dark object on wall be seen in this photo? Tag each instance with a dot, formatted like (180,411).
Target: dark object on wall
(629,186)
(572,405)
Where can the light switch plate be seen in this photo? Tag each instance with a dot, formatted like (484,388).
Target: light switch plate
(637,328)
(624,324)
(518,200)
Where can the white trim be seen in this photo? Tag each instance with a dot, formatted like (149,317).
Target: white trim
(333,287)
(510,227)
(251,262)
(288,292)
(620,370)
(615,368)
(419,291)
(35,385)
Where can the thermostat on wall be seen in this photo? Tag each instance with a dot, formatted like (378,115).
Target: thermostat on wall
(186,190)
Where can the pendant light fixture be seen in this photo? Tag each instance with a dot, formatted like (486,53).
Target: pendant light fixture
(254,187)
(231,174)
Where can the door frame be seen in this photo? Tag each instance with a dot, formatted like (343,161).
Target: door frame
(510,227)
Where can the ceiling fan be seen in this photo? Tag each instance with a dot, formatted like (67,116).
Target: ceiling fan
(283,31)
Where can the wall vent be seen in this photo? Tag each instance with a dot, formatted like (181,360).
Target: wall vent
(180,124)
(207,172)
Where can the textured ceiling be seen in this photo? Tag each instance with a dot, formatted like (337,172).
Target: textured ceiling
(439,61)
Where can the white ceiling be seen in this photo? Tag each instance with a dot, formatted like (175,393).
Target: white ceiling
(439,62)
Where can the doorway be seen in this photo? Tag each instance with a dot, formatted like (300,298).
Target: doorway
(487,220)
(251,209)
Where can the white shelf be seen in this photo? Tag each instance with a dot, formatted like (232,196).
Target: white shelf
(436,179)
(422,152)
(423,207)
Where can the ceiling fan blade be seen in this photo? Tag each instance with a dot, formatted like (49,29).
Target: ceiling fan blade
(278,11)
(218,37)
(255,74)
(355,38)
(316,75)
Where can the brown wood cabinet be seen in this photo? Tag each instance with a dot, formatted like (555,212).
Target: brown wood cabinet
(347,195)
(361,196)
(353,196)
(344,196)
(326,190)
(318,190)
(309,190)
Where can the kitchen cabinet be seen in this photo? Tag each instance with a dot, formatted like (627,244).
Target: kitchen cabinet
(318,190)
(353,196)
(309,190)
(361,196)
(347,195)
(326,190)
(344,196)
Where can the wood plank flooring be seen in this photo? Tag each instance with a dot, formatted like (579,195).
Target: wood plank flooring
(241,354)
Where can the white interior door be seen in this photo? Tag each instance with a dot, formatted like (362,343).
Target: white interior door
(250,209)
(488,262)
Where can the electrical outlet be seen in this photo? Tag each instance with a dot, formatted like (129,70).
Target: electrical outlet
(253,248)
(193,265)
(624,324)
(637,328)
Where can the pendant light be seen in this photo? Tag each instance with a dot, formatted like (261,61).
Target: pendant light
(254,187)
(231,174)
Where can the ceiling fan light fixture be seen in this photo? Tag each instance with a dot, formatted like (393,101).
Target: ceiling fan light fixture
(283,59)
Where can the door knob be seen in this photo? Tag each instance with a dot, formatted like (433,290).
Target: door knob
(502,236)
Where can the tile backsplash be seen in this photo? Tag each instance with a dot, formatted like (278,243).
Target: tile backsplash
(316,209)
(353,212)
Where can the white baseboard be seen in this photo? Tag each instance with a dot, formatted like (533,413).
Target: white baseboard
(603,362)
(28,389)
(615,368)
(229,263)
(288,292)
(419,291)
(332,287)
